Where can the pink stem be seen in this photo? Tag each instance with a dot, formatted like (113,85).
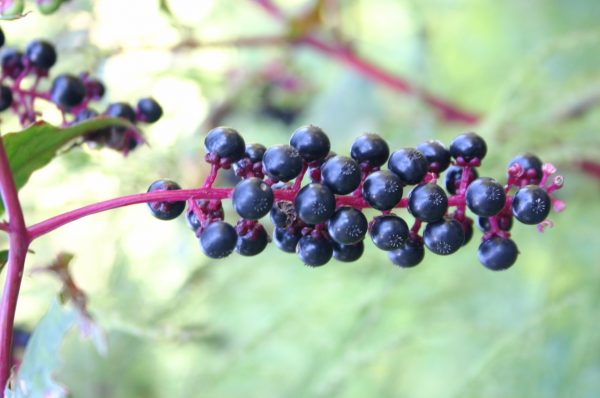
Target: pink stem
(212,176)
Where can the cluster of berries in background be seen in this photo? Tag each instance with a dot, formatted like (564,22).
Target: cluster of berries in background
(72,94)
(316,199)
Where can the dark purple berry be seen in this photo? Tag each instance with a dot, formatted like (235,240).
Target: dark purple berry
(282,162)
(67,91)
(41,54)
(428,202)
(382,190)
(122,110)
(149,109)
(504,221)
(498,253)
(468,146)
(20,337)
(409,254)
(314,252)
(347,225)
(314,203)
(444,237)
(165,210)
(485,197)
(348,253)
(252,198)
(253,242)
(531,204)
(531,165)
(370,149)
(437,155)
(6,97)
(311,142)
(12,63)
(225,142)
(341,174)
(286,239)
(218,239)
(94,89)
(453,177)
(282,214)
(85,114)
(409,164)
(389,232)
(255,152)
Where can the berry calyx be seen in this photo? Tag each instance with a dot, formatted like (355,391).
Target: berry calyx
(531,166)
(253,241)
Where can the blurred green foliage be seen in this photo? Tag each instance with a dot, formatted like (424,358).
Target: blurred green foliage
(181,325)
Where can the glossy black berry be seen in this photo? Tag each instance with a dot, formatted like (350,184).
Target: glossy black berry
(347,225)
(409,164)
(453,177)
(149,109)
(314,252)
(225,142)
(253,242)
(467,225)
(12,62)
(348,253)
(122,110)
(370,149)
(282,162)
(218,239)
(41,54)
(437,155)
(504,221)
(389,232)
(382,190)
(531,204)
(6,97)
(468,146)
(252,198)
(485,197)
(498,253)
(67,91)
(341,174)
(531,165)
(165,210)
(94,89)
(428,202)
(255,152)
(314,203)
(311,142)
(444,237)
(286,239)
(409,254)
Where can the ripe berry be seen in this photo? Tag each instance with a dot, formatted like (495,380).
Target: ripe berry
(12,63)
(218,239)
(408,164)
(468,146)
(286,239)
(6,97)
(67,91)
(532,167)
(444,237)
(370,149)
(504,222)
(348,253)
(485,197)
(531,204)
(498,253)
(341,174)
(252,198)
(389,232)
(282,214)
(255,152)
(314,252)
(311,142)
(253,242)
(94,89)
(2,38)
(315,203)
(225,142)
(428,202)
(409,254)
(437,155)
(347,225)
(122,110)
(382,190)
(282,162)
(149,109)
(453,177)
(165,210)
(41,54)
(85,114)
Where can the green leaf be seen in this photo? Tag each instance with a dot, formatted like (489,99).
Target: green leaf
(3,258)
(34,147)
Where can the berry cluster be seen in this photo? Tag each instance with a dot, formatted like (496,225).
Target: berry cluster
(323,218)
(72,94)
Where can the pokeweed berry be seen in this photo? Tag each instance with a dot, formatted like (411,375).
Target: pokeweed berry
(149,110)
(252,198)
(370,149)
(389,232)
(225,142)
(348,253)
(453,177)
(67,91)
(12,63)
(94,89)
(437,155)
(6,97)
(252,242)
(504,221)
(41,54)
(382,190)
(347,225)
(218,239)
(531,204)
(311,142)
(428,202)
(498,253)
(531,165)
(409,254)
(282,214)
(409,164)
(282,162)
(314,252)
(255,152)
(286,239)
(341,174)
(165,210)
(485,197)
(122,110)
(315,203)
(468,146)
(444,237)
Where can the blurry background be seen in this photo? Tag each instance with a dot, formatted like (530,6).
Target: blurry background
(181,325)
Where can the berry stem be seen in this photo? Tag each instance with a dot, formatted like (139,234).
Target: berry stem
(298,182)
(212,176)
